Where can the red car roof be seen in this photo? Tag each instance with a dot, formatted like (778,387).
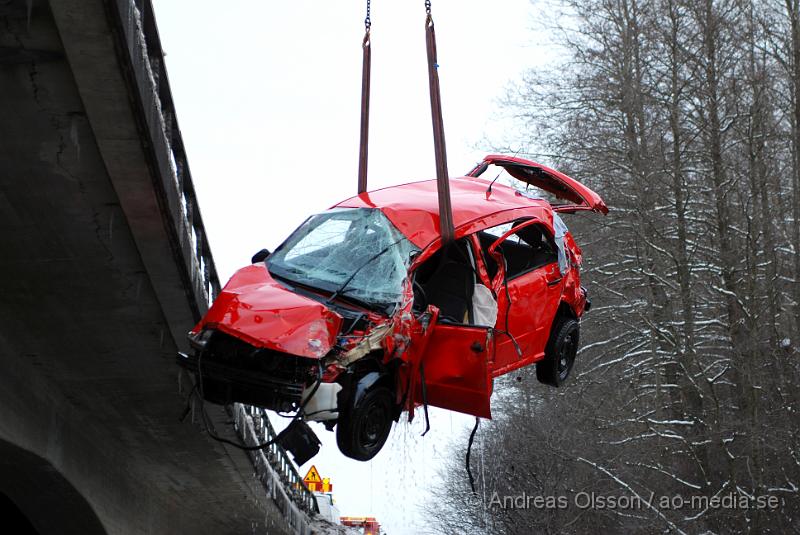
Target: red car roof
(414,207)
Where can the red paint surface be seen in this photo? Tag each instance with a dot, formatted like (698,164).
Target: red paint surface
(579,196)
(260,311)
(459,361)
(456,370)
(414,208)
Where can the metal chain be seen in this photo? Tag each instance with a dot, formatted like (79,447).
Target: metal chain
(368,20)
(428,7)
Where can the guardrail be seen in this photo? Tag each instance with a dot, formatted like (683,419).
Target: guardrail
(254,427)
(144,60)
(173,181)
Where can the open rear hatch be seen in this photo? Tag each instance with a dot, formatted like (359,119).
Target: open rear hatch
(577,196)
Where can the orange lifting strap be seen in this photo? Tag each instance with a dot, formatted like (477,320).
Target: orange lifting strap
(442,179)
(365,72)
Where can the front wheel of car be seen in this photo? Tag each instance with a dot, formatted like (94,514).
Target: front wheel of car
(559,355)
(364,427)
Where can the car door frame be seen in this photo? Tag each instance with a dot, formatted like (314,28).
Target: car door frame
(454,359)
(516,347)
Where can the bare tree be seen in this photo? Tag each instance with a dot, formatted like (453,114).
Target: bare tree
(686,116)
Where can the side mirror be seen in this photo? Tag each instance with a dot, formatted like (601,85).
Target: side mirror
(260,256)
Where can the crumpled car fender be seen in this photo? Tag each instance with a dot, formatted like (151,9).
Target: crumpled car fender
(257,309)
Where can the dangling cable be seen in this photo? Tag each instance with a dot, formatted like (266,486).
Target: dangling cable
(469,451)
(365,79)
(442,178)
(198,391)
(424,398)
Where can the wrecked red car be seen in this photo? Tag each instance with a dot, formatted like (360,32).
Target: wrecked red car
(363,312)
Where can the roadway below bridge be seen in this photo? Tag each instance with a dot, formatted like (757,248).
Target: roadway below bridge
(104,268)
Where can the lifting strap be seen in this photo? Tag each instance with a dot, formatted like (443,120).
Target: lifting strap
(365,76)
(442,179)
(442,176)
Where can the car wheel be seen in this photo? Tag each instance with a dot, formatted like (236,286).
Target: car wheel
(363,428)
(559,355)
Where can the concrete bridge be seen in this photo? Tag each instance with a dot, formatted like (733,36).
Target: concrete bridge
(105,266)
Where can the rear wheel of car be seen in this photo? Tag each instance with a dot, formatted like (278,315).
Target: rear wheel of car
(364,427)
(559,355)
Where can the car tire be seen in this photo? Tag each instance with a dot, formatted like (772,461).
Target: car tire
(559,355)
(364,427)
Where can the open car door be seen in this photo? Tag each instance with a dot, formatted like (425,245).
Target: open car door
(456,369)
(577,196)
(527,280)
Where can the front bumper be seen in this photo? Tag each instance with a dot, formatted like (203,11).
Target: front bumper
(233,371)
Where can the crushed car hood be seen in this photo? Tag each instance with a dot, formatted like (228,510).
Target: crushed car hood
(257,309)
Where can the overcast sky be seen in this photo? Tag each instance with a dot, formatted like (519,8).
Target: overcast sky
(267,96)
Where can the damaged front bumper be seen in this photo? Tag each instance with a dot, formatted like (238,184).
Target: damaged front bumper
(229,370)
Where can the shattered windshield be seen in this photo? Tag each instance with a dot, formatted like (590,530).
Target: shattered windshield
(356,252)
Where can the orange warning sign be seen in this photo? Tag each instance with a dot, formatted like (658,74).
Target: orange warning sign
(312,476)
(315,482)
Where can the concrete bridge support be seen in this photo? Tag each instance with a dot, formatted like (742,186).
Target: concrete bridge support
(104,267)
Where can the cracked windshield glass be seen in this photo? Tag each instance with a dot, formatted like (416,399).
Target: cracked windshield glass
(356,252)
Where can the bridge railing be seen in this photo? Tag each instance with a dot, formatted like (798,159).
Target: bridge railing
(143,58)
(274,455)
(173,179)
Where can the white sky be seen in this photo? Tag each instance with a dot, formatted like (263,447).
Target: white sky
(267,96)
